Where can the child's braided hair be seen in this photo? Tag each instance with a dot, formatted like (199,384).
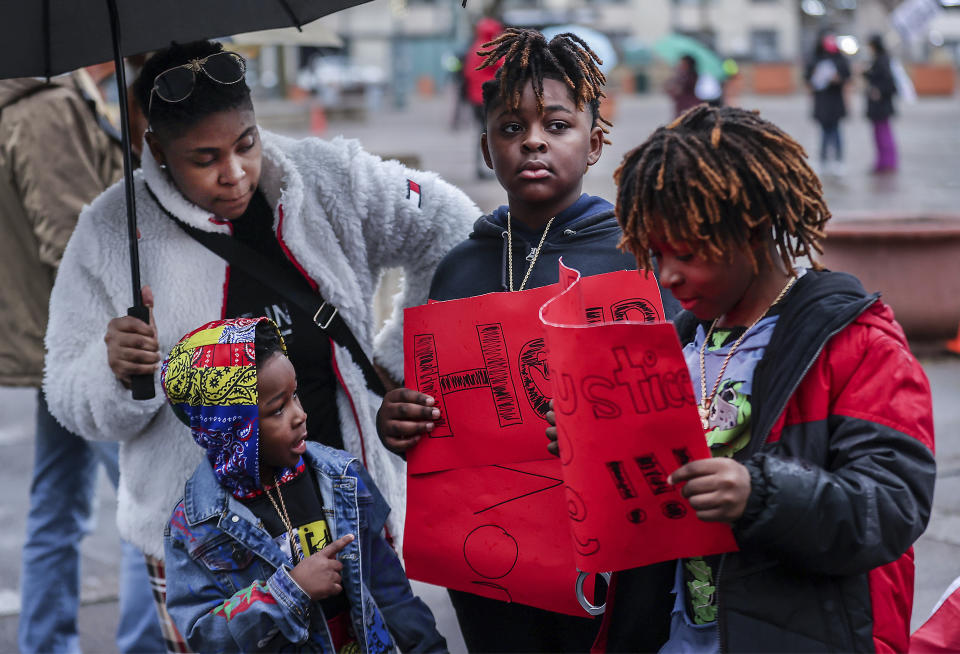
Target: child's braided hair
(714,178)
(528,57)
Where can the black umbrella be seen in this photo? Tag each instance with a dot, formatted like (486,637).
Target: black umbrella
(42,38)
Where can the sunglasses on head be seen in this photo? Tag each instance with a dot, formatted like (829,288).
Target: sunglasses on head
(177,83)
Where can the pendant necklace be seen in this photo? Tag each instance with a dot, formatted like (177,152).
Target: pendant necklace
(706,400)
(536,253)
(296,551)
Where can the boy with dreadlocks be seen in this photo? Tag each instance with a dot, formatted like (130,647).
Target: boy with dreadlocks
(542,132)
(818,415)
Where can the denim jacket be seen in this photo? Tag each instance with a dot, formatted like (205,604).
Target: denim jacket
(229,586)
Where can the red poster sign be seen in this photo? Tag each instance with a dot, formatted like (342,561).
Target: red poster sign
(488,511)
(626,418)
(495,531)
(483,359)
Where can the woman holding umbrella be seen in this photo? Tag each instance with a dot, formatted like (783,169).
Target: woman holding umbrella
(681,87)
(322,219)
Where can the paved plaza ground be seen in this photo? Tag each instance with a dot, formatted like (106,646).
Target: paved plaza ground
(929,138)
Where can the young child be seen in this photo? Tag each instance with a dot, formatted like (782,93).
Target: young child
(543,131)
(818,415)
(276,544)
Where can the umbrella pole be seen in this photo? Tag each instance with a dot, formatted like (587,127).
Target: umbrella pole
(142,386)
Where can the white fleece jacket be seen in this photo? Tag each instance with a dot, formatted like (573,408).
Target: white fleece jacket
(343,214)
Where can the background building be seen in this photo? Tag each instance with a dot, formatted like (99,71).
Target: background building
(399,47)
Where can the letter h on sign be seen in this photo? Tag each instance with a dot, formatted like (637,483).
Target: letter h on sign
(494,374)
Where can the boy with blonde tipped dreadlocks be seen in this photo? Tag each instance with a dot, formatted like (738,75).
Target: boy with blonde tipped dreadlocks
(818,415)
(542,132)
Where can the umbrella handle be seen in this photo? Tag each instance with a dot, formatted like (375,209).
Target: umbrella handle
(142,386)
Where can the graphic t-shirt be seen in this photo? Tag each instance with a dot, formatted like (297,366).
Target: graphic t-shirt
(693,625)
(308,347)
(305,508)
(728,432)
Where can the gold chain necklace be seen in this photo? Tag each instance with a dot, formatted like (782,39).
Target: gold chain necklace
(285,519)
(536,253)
(706,400)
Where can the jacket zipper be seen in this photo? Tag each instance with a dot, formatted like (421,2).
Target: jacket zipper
(353,408)
(289,254)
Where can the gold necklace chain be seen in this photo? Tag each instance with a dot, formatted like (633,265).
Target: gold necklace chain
(707,400)
(536,253)
(284,518)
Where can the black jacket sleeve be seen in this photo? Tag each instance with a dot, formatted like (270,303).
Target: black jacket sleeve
(861,492)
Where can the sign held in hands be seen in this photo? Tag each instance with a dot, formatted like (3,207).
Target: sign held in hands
(626,418)
(488,510)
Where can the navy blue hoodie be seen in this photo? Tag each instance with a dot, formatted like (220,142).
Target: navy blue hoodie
(585,234)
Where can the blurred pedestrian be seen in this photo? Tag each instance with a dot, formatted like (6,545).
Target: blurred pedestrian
(485,31)
(881,87)
(732,83)
(827,74)
(682,86)
(454,65)
(58,151)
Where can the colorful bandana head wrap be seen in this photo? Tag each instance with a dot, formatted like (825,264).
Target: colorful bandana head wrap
(210,379)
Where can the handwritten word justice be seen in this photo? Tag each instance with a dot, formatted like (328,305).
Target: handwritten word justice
(648,389)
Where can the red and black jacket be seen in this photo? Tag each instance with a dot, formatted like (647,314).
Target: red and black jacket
(842,473)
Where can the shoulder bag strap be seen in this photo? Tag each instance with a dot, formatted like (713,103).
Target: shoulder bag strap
(325,316)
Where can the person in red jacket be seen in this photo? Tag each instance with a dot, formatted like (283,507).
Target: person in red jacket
(818,416)
(474,77)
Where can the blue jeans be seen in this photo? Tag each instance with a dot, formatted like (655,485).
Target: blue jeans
(62,494)
(831,140)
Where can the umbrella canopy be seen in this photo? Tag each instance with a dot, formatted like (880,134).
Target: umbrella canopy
(49,37)
(316,35)
(673,47)
(636,52)
(598,42)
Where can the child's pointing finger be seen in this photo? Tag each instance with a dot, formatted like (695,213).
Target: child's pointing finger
(334,548)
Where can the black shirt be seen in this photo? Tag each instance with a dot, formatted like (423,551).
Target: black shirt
(308,347)
(304,506)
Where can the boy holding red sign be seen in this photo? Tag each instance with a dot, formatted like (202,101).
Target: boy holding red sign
(542,132)
(818,415)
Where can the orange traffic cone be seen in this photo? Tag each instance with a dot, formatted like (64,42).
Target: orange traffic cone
(318,120)
(954,344)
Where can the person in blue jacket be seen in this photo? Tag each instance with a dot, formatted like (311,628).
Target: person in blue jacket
(542,132)
(277,544)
